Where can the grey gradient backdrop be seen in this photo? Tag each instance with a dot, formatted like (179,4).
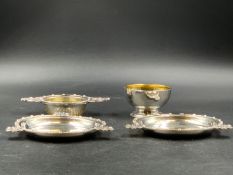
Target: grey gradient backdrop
(95,48)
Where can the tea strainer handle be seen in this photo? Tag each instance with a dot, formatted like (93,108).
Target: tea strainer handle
(98,99)
(33,99)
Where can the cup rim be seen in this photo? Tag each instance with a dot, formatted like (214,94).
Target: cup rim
(148,87)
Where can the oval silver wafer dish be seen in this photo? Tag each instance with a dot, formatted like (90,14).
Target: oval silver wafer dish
(58,126)
(178,124)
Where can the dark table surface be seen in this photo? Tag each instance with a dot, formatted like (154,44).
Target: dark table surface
(121,151)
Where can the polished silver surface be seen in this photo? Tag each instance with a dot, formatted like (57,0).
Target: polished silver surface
(178,123)
(58,126)
(66,104)
(147,98)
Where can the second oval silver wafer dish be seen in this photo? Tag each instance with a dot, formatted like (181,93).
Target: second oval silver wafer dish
(182,124)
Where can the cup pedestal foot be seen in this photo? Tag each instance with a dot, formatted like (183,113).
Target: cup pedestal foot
(143,111)
(153,111)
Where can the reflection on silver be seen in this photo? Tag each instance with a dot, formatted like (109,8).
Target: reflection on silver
(178,123)
(147,98)
(65,104)
(58,126)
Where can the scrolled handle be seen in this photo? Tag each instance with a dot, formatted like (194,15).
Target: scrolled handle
(98,99)
(130,126)
(13,129)
(224,126)
(134,125)
(19,126)
(33,99)
(104,128)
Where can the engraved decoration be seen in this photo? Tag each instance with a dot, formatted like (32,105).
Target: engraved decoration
(153,95)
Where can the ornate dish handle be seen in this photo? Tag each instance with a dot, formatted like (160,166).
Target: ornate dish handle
(224,126)
(98,99)
(14,129)
(102,126)
(134,125)
(33,99)
(19,126)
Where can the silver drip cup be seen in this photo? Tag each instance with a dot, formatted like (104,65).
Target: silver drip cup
(147,98)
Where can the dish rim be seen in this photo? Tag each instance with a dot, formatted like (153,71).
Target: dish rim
(21,126)
(215,124)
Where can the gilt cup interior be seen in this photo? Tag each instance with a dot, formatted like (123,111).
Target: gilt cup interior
(63,99)
(148,87)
